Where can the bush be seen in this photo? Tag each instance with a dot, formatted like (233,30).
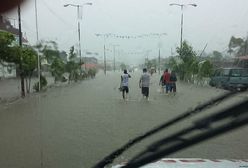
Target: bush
(92,73)
(43,83)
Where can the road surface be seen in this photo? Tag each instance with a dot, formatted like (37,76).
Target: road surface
(75,126)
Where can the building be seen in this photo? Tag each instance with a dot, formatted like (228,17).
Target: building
(9,70)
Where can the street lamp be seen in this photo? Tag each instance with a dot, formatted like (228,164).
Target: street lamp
(182,6)
(79,39)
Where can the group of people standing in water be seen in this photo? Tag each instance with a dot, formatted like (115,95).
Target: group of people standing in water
(167,83)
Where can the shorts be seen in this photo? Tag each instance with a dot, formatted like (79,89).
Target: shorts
(125,89)
(145,91)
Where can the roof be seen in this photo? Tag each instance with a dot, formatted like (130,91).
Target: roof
(6,26)
(243,57)
(88,66)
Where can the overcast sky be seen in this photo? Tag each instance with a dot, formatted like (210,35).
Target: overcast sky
(212,22)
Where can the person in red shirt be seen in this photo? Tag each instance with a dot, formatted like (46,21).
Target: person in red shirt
(166,79)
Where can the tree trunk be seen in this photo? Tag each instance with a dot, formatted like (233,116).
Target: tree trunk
(26,80)
(29,82)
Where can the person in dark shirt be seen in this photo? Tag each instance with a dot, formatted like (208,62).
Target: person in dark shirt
(161,83)
(173,79)
(166,78)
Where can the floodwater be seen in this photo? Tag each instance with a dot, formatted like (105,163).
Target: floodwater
(76,125)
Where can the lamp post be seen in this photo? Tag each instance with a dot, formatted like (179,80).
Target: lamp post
(182,6)
(37,40)
(20,44)
(79,32)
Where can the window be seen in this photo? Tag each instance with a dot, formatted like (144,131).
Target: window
(226,72)
(236,73)
(244,72)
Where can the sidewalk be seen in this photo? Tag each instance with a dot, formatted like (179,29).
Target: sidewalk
(10,89)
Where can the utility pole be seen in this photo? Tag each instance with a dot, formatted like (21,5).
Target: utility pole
(114,59)
(182,6)
(159,60)
(37,40)
(104,48)
(20,44)
(181,40)
(79,40)
(79,33)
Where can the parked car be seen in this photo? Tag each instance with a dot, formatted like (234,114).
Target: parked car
(230,78)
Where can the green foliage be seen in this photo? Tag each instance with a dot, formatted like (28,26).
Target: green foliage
(151,63)
(238,46)
(8,52)
(205,69)
(189,64)
(173,64)
(217,56)
(49,51)
(123,66)
(186,53)
(57,69)
(6,38)
(72,67)
(92,72)
(43,83)
(29,60)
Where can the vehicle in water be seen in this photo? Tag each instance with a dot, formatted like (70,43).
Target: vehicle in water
(234,78)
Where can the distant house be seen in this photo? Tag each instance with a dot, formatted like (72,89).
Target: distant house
(90,63)
(8,70)
(242,61)
(90,60)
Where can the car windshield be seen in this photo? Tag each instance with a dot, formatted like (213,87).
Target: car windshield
(80,79)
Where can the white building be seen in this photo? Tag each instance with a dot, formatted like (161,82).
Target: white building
(7,70)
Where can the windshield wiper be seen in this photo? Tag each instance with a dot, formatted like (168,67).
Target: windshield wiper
(109,159)
(236,117)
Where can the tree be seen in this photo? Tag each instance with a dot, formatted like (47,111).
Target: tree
(19,55)
(72,67)
(217,56)
(205,69)
(123,66)
(29,64)
(173,64)
(49,52)
(57,69)
(7,50)
(238,46)
(189,65)
(187,53)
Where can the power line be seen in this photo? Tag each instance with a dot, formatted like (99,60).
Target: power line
(55,14)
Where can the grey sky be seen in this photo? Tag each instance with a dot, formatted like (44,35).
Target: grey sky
(212,22)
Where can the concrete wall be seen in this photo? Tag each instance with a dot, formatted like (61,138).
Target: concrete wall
(7,70)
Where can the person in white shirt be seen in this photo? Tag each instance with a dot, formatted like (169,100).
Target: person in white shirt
(124,84)
(144,83)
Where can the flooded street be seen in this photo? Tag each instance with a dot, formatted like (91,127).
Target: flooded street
(75,126)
